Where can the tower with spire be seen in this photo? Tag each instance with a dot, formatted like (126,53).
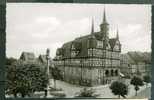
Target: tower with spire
(104,27)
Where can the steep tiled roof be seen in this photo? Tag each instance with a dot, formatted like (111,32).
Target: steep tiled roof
(134,56)
(126,58)
(77,45)
(66,49)
(59,51)
(142,56)
(88,41)
(83,51)
(81,44)
(147,57)
(98,35)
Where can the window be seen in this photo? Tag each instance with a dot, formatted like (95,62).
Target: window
(90,51)
(73,53)
(116,47)
(99,44)
(107,73)
(116,73)
(109,54)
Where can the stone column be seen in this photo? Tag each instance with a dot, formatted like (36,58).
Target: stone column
(48,73)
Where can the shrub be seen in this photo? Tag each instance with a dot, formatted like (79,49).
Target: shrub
(119,88)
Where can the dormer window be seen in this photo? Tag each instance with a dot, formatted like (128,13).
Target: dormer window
(117,46)
(73,47)
(73,51)
(99,44)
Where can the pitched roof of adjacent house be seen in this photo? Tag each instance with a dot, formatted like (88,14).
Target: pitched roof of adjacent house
(126,58)
(27,56)
(42,58)
(136,57)
(147,57)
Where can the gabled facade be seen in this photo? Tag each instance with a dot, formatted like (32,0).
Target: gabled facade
(27,57)
(92,59)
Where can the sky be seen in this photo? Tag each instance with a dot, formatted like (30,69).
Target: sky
(34,27)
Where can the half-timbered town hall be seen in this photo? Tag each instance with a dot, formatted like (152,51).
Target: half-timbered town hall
(92,59)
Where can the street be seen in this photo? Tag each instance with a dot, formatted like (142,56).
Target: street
(144,93)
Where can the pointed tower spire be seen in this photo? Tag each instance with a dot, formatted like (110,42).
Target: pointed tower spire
(92,29)
(104,23)
(117,34)
(104,27)
(92,26)
(104,16)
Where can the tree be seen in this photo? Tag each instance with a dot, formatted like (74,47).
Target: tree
(56,75)
(147,79)
(119,88)
(85,92)
(8,65)
(136,81)
(25,79)
(10,61)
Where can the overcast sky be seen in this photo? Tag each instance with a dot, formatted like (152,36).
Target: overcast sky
(34,27)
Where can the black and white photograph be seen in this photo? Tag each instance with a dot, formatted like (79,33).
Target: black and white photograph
(56,50)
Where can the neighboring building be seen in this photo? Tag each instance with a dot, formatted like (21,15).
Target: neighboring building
(29,58)
(92,59)
(43,61)
(136,63)
(126,65)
